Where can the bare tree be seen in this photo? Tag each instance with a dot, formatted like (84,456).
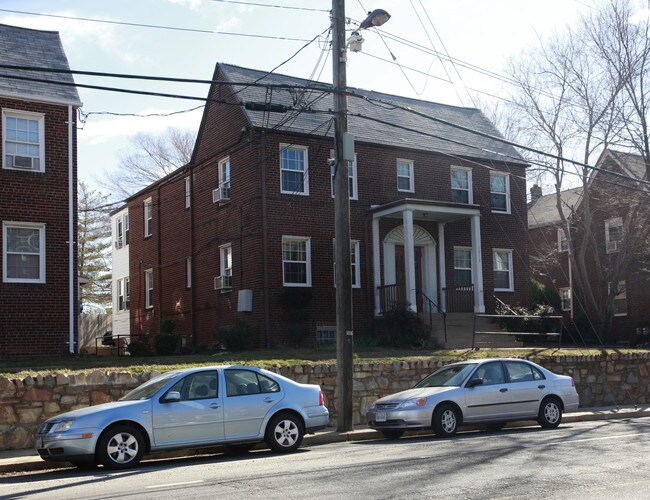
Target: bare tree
(150,158)
(579,94)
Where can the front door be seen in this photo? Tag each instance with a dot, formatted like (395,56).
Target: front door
(400,272)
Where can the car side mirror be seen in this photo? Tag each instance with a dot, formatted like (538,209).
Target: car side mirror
(172,397)
(474,382)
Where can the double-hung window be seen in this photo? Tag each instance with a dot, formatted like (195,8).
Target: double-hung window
(148,289)
(462,266)
(23,141)
(613,234)
(562,242)
(224,178)
(503,279)
(620,299)
(355,269)
(23,252)
(461,185)
(565,298)
(352,177)
(188,192)
(405,181)
(500,192)
(122,231)
(148,218)
(123,294)
(294,170)
(296,261)
(225,257)
(188,272)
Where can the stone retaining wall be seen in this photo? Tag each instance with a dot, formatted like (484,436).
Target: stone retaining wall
(25,403)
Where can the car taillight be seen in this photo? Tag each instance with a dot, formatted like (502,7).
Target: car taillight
(321,399)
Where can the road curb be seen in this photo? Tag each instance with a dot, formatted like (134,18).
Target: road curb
(27,461)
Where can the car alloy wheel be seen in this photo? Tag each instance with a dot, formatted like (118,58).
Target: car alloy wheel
(121,447)
(550,413)
(284,433)
(445,420)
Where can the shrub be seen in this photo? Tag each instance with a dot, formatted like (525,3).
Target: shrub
(403,328)
(236,337)
(165,344)
(139,348)
(541,294)
(167,326)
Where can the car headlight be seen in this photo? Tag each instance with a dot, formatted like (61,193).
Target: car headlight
(373,406)
(63,425)
(413,403)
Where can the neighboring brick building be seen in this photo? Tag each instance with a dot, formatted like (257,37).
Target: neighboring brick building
(38,182)
(618,208)
(247,227)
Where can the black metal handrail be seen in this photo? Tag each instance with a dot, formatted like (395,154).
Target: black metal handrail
(438,308)
(391,297)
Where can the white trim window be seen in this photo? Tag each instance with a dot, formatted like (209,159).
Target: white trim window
(148,289)
(613,234)
(352,175)
(462,266)
(122,231)
(123,294)
(461,185)
(562,242)
(188,272)
(620,299)
(500,192)
(23,140)
(148,217)
(188,192)
(225,263)
(296,261)
(502,266)
(355,267)
(405,175)
(224,178)
(23,252)
(294,170)
(325,335)
(565,298)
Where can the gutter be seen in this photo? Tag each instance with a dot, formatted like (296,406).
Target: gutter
(71,242)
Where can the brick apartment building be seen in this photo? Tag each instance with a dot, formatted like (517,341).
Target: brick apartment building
(247,227)
(619,254)
(38,181)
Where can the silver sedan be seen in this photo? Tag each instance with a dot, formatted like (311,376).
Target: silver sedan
(490,391)
(191,408)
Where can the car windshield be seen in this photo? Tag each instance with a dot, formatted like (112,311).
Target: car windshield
(149,388)
(447,376)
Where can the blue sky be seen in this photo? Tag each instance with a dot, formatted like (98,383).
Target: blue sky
(482,33)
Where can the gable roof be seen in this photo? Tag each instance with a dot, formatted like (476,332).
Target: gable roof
(29,47)
(448,140)
(631,164)
(544,211)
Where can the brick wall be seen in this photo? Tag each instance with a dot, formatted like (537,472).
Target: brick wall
(35,316)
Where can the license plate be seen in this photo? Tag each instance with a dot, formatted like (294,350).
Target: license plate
(381,416)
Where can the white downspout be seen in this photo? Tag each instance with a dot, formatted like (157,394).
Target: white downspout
(71,230)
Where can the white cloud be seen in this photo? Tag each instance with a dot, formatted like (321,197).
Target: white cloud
(99,131)
(641,16)
(192,4)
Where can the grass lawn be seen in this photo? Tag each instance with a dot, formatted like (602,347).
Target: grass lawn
(271,358)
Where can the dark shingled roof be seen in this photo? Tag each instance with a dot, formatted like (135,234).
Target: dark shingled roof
(28,47)
(544,211)
(466,145)
(632,162)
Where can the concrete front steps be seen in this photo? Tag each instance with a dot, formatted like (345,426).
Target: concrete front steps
(460,327)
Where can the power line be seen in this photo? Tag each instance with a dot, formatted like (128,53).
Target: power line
(156,26)
(275,6)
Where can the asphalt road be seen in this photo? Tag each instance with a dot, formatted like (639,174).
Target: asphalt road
(591,460)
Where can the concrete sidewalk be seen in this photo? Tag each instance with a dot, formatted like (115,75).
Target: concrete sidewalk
(28,460)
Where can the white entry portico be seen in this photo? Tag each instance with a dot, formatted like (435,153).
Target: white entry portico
(431,275)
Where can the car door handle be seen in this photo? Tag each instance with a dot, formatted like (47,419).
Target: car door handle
(542,386)
(503,389)
(214,406)
(269,400)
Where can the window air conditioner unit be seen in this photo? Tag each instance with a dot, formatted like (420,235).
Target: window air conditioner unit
(222,282)
(22,162)
(221,194)
(613,246)
(118,243)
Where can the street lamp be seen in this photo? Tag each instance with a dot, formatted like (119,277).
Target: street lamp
(344,153)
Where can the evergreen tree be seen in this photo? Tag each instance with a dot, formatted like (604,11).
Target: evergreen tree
(93,247)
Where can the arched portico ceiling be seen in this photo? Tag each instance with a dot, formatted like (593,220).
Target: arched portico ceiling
(421,237)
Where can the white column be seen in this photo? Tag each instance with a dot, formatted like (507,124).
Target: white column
(477,265)
(409,259)
(443,266)
(376,265)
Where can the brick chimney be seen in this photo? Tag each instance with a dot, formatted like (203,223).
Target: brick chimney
(535,194)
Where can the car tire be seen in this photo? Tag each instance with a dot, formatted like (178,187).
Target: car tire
(445,420)
(284,433)
(120,447)
(495,426)
(392,433)
(550,413)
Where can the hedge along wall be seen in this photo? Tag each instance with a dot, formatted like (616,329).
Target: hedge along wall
(25,403)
